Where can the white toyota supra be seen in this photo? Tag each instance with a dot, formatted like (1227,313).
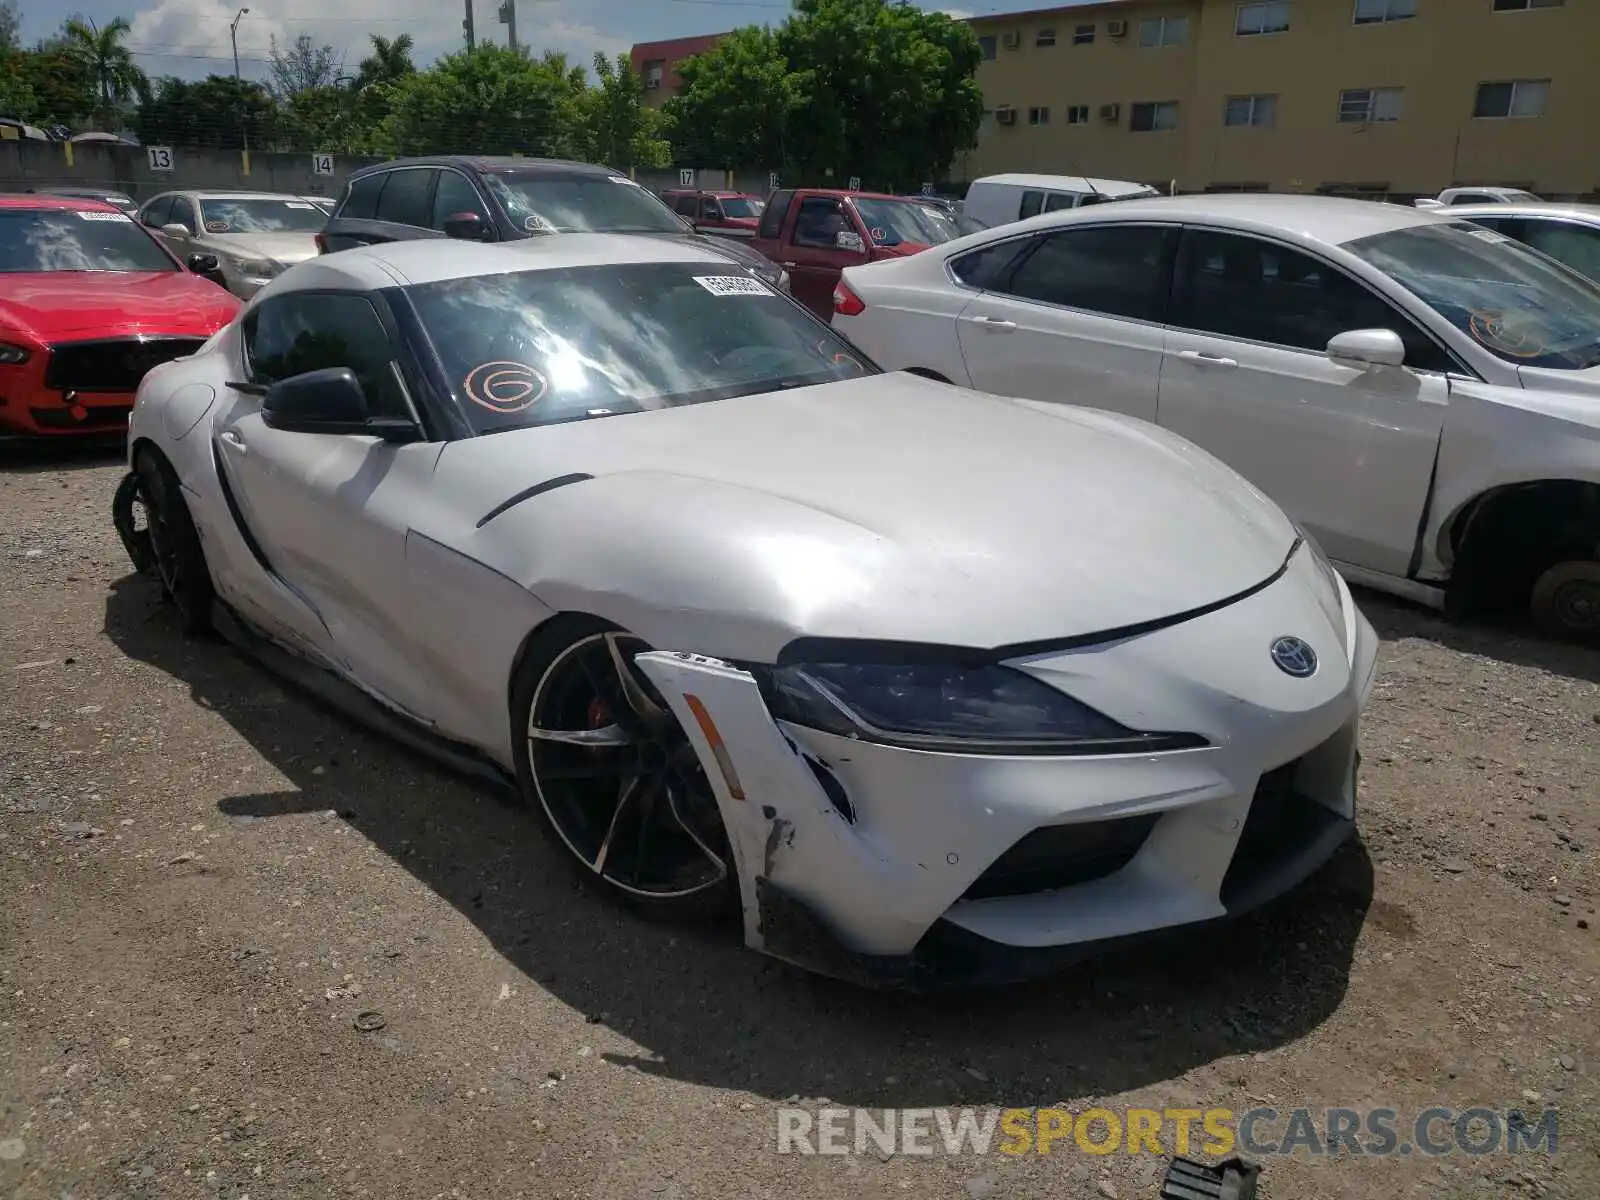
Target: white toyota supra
(931,686)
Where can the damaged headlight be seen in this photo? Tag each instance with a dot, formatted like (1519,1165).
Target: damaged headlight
(959,709)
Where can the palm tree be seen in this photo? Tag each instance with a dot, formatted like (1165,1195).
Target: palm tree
(100,53)
(389,61)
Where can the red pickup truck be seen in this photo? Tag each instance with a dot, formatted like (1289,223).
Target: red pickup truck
(815,233)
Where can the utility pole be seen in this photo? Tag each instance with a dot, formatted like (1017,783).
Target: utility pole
(466,28)
(233,32)
(508,18)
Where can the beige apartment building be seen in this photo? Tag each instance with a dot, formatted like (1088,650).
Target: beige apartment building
(1376,97)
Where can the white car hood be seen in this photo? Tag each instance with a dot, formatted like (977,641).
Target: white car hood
(889,507)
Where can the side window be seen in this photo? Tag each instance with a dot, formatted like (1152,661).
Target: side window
(1059,200)
(1032,203)
(710,209)
(1471,198)
(157,212)
(820,221)
(183,212)
(685,206)
(772,216)
(1510,226)
(405,197)
(1239,287)
(361,202)
(455,194)
(308,331)
(1117,270)
(1577,246)
(986,267)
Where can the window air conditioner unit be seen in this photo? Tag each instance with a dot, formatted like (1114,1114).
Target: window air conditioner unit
(1012,40)
(1005,115)
(1116,29)
(1111,112)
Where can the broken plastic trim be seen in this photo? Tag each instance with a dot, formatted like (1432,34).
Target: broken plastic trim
(1234,1179)
(135,541)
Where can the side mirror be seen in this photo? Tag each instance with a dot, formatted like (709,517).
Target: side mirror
(175,229)
(466,227)
(1368,347)
(329,401)
(847,240)
(207,266)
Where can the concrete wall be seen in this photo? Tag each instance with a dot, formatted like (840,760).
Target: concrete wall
(41,165)
(25,164)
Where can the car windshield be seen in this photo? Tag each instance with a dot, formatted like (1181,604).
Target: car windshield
(1512,301)
(741,206)
(893,222)
(959,223)
(33,239)
(543,347)
(551,202)
(262,215)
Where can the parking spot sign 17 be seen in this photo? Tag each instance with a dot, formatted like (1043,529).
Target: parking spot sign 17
(686,176)
(322,164)
(159,157)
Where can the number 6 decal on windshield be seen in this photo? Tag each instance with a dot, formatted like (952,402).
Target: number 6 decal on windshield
(506,388)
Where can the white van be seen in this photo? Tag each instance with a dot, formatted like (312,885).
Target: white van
(1001,199)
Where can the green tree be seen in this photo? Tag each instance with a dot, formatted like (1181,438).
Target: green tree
(10,26)
(303,65)
(18,100)
(99,52)
(888,91)
(623,133)
(62,89)
(218,111)
(323,118)
(736,104)
(491,100)
(389,62)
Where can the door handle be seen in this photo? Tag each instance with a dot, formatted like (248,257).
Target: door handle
(996,324)
(1202,358)
(788,266)
(235,442)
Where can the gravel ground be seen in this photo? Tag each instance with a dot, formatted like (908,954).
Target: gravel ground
(207,879)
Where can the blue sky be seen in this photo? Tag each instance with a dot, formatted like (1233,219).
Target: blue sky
(190,37)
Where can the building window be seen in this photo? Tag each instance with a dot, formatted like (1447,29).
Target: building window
(989,46)
(1250,110)
(1513,98)
(1250,20)
(1381,12)
(1525,5)
(1360,105)
(1077,114)
(652,74)
(1083,35)
(1038,116)
(1154,116)
(1045,37)
(1163,31)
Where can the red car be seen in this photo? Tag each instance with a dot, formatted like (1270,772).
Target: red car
(815,233)
(90,301)
(727,214)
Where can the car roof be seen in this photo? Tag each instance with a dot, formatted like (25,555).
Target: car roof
(1546,208)
(78,189)
(1332,220)
(489,164)
(429,260)
(1076,183)
(58,203)
(231,194)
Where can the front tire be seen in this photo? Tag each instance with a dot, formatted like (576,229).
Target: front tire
(602,759)
(180,560)
(1566,601)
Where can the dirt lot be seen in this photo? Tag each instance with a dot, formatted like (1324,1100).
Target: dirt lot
(206,879)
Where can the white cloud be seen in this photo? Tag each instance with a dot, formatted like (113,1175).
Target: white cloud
(958,14)
(191,37)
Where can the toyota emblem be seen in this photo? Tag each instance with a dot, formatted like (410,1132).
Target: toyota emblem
(1294,656)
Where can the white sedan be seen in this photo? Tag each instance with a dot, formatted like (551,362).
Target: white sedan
(1421,394)
(930,686)
(1568,233)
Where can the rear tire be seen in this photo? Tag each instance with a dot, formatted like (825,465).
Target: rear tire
(180,560)
(1566,601)
(616,782)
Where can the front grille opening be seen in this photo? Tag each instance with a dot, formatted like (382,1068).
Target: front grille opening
(1061,856)
(112,364)
(1281,822)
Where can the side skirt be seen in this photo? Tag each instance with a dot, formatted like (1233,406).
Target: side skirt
(1431,595)
(352,702)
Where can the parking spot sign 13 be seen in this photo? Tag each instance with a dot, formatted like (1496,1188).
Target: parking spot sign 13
(159,157)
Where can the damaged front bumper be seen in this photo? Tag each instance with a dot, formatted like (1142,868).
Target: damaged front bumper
(918,869)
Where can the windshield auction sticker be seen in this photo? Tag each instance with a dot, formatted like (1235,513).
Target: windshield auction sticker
(733,285)
(102,216)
